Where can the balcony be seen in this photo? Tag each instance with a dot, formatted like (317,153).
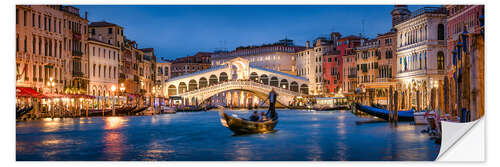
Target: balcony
(77,74)
(77,53)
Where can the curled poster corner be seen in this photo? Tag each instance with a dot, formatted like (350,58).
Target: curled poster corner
(453,133)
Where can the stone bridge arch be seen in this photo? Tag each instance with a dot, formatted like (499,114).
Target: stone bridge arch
(284,99)
(217,75)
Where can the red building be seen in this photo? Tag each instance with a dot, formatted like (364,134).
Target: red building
(331,72)
(461,17)
(333,62)
(466,21)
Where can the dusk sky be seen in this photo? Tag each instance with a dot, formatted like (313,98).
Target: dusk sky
(177,31)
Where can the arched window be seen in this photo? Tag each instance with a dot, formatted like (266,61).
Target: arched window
(172,90)
(192,85)
(440,32)
(274,82)
(203,82)
(254,77)
(440,60)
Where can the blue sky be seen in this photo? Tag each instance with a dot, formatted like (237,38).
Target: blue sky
(177,31)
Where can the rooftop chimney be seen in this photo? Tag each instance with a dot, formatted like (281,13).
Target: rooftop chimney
(307,44)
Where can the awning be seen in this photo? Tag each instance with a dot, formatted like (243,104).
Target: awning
(26,92)
(79,96)
(133,95)
(55,95)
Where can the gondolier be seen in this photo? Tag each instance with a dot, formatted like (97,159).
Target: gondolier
(272,103)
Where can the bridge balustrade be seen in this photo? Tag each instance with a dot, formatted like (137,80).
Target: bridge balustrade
(240,83)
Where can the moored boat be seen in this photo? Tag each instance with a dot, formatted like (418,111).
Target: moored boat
(384,114)
(420,118)
(138,110)
(21,112)
(242,126)
(99,112)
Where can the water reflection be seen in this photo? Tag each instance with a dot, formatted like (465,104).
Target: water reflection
(114,122)
(113,146)
(301,135)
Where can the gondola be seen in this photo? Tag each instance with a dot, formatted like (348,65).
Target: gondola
(384,114)
(241,126)
(21,112)
(99,112)
(189,109)
(138,110)
(125,110)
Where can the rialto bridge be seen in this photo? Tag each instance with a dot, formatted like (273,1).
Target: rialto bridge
(236,74)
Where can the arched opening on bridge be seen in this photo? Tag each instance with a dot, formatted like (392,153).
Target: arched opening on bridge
(254,77)
(274,82)
(223,77)
(182,87)
(192,85)
(172,90)
(284,84)
(203,82)
(294,86)
(212,80)
(304,89)
(264,79)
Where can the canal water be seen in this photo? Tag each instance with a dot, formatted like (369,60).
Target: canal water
(301,135)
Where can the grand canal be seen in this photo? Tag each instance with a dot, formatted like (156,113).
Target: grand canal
(301,135)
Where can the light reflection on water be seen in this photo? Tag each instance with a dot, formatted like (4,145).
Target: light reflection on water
(300,135)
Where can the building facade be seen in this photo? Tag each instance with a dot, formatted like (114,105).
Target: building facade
(421,49)
(310,64)
(130,56)
(50,45)
(190,64)
(279,56)
(163,74)
(347,48)
(376,64)
(104,71)
(147,74)
(465,57)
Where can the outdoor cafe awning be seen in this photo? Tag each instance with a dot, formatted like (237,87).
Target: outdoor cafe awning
(27,92)
(30,92)
(55,95)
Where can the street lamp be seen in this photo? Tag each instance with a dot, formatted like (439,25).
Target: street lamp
(51,85)
(122,89)
(113,89)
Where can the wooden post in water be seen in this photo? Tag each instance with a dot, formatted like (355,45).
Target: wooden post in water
(446,95)
(395,111)
(87,110)
(102,106)
(390,103)
(433,98)
(37,107)
(418,100)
